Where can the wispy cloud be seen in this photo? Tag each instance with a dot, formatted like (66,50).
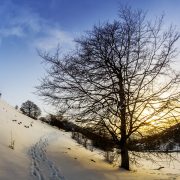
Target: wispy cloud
(12,31)
(17,20)
(52,38)
(23,23)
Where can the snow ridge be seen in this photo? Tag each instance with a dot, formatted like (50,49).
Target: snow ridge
(41,167)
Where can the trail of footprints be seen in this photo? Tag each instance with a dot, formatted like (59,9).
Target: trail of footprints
(41,167)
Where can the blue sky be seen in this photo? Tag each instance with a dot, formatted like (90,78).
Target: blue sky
(28,25)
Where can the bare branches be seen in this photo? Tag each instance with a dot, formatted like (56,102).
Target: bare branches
(120,76)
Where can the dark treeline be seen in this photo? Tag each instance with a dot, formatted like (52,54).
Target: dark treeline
(166,140)
(99,137)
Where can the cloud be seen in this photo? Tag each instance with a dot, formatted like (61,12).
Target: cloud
(52,38)
(17,20)
(34,30)
(13,31)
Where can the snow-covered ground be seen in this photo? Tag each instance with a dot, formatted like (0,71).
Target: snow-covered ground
(45,153)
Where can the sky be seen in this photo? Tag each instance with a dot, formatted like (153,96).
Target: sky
(29,25)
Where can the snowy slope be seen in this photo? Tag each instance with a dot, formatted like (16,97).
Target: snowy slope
(16,163)
(42,153)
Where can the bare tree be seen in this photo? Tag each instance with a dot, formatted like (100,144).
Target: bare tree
(30,109)
(121,76)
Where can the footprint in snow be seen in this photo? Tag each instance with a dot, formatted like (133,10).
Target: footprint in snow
(41,167)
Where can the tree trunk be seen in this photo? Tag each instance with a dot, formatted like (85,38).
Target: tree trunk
(123,141)
(124,158)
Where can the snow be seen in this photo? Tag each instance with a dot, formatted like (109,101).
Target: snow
(42,152)
(41,166)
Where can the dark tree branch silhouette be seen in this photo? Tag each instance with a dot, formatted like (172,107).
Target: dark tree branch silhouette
(119,76)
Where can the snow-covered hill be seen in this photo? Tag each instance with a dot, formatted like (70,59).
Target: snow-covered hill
(43,153)
(25,132)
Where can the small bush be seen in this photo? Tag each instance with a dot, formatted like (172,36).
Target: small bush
(12,142)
